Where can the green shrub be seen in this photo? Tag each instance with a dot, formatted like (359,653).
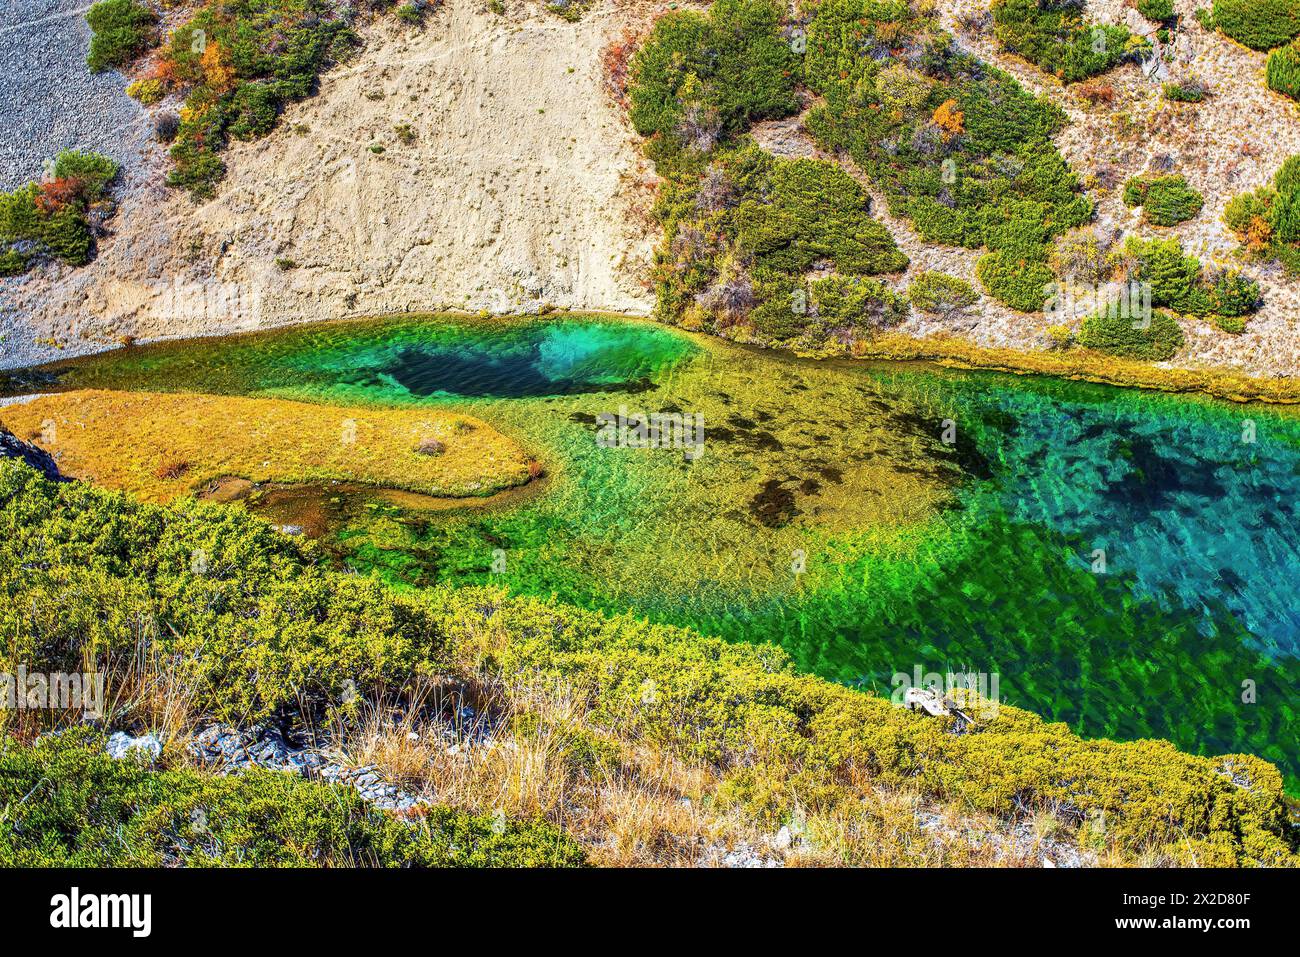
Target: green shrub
(1233,295)
(1173,276)
(1258,24)
(1158,10)
(1119,333)
(843,303)
(942,295)
(704,76)
(70,805)
(811,211)
(121,31)
(20,217)
(1284,215)
(196,167)
(1230,324)
(1244,210)
(93,171)
(51,219)
(1056,38)
(1177,282)
(263,626)
(13,262)
(1165,200)
(1267,220)
(1283,70)
(66,235)
(1186,91)
(254,108)
(1019,283)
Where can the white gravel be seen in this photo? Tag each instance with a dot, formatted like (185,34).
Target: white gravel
(51,100)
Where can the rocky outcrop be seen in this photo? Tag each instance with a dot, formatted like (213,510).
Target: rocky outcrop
(12,447)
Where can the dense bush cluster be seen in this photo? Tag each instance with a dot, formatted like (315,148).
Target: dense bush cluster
(87,577)
(237,62)
(1178,281)
(1157,10)
(121,30)
(54,218)
(1165,200)
(743,234)
(1268,220)
(242,60)
(1118,333)
(775,247)
(1054,35)
(1283,70)
(90,578)
(958,147)
(1258,24)
(705,77)
(941,295)
(69,805)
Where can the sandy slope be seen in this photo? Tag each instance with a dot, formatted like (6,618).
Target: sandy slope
(525,187)
(522,187)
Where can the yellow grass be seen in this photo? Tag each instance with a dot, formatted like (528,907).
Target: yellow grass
(161,446)
(1085,365)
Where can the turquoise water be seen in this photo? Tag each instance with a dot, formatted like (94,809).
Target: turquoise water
(1124,561)
(402,357)
(1196,503)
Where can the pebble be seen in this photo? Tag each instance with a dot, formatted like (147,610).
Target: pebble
(121,745)
(230,750)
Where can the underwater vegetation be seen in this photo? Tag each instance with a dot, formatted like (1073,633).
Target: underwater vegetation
(1114,556)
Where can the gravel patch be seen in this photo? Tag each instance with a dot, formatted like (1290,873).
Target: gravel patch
(51,100)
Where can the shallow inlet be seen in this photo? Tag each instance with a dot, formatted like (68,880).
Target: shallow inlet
(1123,560)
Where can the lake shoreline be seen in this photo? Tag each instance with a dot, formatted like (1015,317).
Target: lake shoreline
(944,351)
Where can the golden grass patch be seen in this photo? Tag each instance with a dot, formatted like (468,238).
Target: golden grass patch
(1084,365)
(162,446)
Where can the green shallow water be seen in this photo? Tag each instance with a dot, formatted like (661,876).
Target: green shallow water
(826,512)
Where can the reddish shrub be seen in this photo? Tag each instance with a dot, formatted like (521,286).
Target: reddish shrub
(615,63)
(58,194)
(171,469)
(1096,93)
